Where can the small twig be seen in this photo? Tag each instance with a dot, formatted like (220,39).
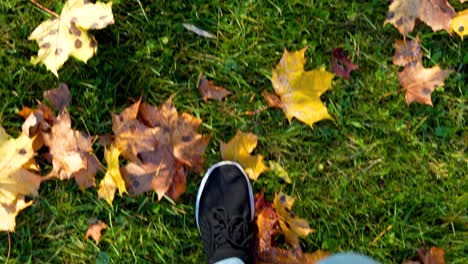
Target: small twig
(9,247)
(45,9)
(256,112)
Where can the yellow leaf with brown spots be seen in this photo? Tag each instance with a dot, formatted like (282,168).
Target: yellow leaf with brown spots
(300,90)
(239,149)
(459,23)
(16,156)
(113,179)
(66,35)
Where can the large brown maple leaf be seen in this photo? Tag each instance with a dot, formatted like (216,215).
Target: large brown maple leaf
(435,13)
(162,146)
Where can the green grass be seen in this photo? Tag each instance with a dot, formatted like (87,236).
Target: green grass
(378,163)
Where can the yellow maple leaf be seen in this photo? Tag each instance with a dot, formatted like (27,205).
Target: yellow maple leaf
(459,23)
(8,213)
(15,180)
(59,38)
(239,149)
(300,90)
(113,179)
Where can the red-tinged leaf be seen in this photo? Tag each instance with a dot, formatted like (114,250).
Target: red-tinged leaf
(59,97)
(341,65)
(434,255)
(210,91)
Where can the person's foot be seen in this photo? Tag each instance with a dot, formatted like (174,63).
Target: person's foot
(224,212)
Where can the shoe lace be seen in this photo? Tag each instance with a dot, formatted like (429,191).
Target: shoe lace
(218,229)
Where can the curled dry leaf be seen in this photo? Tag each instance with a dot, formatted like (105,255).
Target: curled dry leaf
(420,82)
(16,181)
(59,38)
(162,146)
(268,221)
(272,100)
(342,65)
(208,90)
(407,52)
(94,231)
(435,13)
(300,90)
(239,149)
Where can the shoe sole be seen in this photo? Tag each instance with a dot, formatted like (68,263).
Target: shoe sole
(205,179)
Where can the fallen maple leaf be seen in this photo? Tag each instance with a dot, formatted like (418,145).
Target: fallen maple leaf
(162,146)
(407,52)
(208,90)
(112,179)
(15,180)
(420,82)
(71,152)
(459,24)
(9,212)
(268,222)
(300,90)
(435,13)
(341,65)
(64,36)
(239,149)
(94,230)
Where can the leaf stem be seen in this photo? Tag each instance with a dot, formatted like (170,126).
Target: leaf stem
(45,9)
(9,247)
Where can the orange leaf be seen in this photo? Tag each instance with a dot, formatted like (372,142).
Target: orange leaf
(434,255)
(94,230)
(268,222)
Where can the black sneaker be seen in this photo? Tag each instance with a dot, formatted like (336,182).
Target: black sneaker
(224,212)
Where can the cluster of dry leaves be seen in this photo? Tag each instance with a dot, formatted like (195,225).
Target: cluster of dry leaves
(417,81)
(161,146)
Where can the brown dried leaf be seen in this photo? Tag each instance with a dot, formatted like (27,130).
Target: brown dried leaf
(407,52)
(342,65)
(94,231)
(208,90)
(59,97)
(272,99)
(435,13)
(71,152)
(162,146)
(420,82)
